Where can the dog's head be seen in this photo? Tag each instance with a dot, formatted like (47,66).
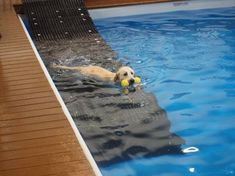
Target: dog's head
(125,73)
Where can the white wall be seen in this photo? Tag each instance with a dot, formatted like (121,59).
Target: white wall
(159,7)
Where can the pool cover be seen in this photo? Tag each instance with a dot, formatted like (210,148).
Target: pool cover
(114,128)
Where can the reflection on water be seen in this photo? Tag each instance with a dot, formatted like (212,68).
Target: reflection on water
(187,60)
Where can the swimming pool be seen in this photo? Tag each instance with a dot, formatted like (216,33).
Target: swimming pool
(188,60)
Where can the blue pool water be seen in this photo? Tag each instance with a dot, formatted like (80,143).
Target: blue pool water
(188,60)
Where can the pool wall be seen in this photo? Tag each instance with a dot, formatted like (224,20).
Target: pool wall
(158,8)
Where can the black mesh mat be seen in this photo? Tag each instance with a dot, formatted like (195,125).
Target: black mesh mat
(58,19)
(113,127)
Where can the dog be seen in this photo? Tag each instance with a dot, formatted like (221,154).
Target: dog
(123,73)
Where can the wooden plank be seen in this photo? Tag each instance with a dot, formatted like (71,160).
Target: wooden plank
(16,87)
(14,61)
(13,47)
(22,81)
(39,152)
(15,52)
(37,143)
(25,77)
(35,134)
(11,98)
(23,73)
(30,120)
(14,43)
(19,70)
(33,127)
(8,93)
(39,161)
(35,113)
(10,55)
(31,101)
(61,168)
(29,108)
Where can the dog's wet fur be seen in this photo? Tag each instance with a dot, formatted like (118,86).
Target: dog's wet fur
(123,73)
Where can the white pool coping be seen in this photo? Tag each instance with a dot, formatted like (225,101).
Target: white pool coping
(64,108)
(159,8)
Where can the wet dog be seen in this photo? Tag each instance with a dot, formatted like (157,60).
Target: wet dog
(123,73)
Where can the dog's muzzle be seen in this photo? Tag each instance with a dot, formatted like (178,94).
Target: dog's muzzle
(131,81)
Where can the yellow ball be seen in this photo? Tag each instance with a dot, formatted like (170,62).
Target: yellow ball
(124,83)
(137,80)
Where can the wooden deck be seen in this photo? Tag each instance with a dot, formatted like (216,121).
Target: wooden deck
(111,3)
(36,138)
(91,4)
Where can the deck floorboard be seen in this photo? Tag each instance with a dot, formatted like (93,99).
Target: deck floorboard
(36,138)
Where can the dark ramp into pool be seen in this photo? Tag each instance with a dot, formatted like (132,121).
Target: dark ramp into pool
(113,127)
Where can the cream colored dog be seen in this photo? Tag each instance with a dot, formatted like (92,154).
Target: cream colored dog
(103,74)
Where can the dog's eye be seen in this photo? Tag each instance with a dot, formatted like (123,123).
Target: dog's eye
(125,74)
(132,73)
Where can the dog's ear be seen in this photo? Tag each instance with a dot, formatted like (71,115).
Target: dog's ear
(116,77)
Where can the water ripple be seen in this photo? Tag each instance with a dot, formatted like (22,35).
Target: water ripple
(187,60)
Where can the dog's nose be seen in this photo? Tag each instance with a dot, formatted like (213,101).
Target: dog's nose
(132,81)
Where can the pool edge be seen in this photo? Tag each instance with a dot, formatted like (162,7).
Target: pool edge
(81,141)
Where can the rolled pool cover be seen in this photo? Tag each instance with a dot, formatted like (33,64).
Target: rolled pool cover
(114,128)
